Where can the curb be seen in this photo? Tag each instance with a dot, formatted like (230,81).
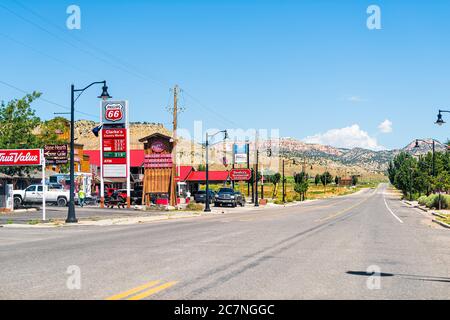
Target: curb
(415,206)
(25,210)
(443,224)
(438,215)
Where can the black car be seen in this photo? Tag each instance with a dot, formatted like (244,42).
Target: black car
(200,196)
(227,196)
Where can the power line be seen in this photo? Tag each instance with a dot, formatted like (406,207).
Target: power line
(131,68)
(124,67)
(48,101)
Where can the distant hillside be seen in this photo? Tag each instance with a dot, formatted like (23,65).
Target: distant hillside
(338,161)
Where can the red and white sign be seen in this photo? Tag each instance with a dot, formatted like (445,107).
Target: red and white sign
(20,157)
(114,133)
(113,112)
(240,174)
(158,160)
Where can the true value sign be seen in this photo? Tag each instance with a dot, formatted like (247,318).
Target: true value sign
(20,157)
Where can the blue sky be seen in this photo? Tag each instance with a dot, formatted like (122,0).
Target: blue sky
(310,68)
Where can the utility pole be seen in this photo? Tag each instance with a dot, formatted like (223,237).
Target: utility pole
(173,183)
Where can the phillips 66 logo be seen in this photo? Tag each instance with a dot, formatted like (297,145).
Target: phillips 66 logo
(113,112)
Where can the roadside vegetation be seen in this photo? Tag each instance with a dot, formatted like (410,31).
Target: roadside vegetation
(417,180)
(301,187)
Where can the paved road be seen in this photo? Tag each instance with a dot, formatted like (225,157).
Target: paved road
(317,250)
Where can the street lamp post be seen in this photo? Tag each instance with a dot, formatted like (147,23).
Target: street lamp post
(71,217)
(283,182)
(207,207)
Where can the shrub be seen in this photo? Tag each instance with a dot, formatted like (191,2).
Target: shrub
(432,201)
(422,200)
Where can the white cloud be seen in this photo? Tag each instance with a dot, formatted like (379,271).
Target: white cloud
(385,126)
(348,137)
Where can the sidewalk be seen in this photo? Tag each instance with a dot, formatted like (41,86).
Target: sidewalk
(437,216)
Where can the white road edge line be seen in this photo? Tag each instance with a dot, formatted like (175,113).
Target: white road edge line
(395,216)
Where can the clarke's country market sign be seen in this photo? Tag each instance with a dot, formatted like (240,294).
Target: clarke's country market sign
(20,157)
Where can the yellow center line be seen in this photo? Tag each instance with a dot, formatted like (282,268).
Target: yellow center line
(343,211)
(133,291)
(152,291)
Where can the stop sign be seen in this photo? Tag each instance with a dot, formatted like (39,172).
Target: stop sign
(240,174)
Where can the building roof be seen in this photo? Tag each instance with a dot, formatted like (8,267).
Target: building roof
(185,171)
(156,134)
(197,176)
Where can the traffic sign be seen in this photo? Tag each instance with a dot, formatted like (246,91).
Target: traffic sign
(55,154)
(240,174)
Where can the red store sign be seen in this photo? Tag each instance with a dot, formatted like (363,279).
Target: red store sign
(114,133)
(240,174)
(20,157)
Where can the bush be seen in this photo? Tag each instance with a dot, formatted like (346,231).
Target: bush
(432,201)
(422,200)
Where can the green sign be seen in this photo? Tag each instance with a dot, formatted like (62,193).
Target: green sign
(115,154)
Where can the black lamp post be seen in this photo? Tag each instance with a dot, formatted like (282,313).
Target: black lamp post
(283,182)
(439,120)
(71,217)
(207,207)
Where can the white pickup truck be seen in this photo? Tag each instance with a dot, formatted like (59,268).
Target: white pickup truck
(33,194)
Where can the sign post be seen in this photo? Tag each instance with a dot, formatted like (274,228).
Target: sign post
(43,184)
(114,144)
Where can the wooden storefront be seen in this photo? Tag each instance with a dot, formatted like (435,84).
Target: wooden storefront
(159,169)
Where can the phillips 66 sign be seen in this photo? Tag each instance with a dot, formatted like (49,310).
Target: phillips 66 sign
(114,112)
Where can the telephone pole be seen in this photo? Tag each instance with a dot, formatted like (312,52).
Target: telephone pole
(173,183)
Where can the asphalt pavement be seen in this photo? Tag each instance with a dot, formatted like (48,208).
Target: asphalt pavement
(363,246)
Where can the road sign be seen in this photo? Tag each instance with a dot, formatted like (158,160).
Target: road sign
(240,152)
(114,112)
(20,157)
(240,174)
(55,154)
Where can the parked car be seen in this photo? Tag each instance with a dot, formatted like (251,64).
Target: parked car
(227,196)
(34,193)
(200,196)
(135,195)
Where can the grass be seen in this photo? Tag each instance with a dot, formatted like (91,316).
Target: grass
(445,220)
(33,222)
(314,192)
(194,207)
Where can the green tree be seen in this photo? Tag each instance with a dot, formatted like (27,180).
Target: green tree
(50,131)
(275,179)
(301,184)
(337,179)
(354,180)
(317,179)
(441,183)
(326,178)
(18,125)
